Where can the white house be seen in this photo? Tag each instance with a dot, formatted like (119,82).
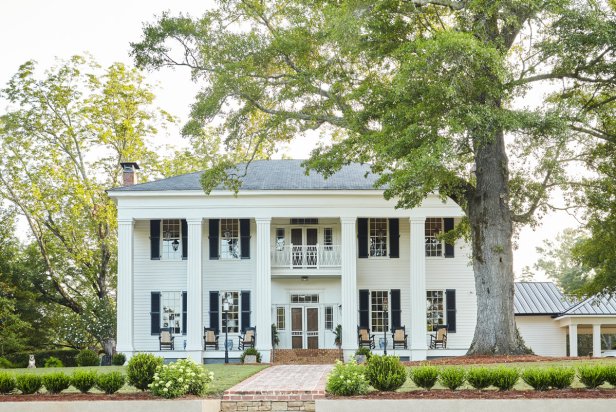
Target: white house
(299,251)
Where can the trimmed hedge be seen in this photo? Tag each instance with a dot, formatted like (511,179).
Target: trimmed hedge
(87,357)
(20,359)
(385,373)
(56,382)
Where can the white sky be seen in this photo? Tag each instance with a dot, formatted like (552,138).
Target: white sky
(43,30)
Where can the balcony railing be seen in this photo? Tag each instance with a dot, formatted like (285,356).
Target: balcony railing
(306,256)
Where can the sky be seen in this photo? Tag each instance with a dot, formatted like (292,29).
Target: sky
(45,30)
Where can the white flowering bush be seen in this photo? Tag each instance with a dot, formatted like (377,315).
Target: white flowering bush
(184,377)
(347,379)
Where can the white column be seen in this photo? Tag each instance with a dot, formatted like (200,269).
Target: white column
(418,289)
(596,340)
(194,332)
(348,286)
(573,346)
(263,289)
(124,295)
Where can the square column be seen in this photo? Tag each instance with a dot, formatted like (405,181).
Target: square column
(418,289)
(263,290)
(124,295)
(348,286)
(596,340)
(194,332)
(573,346)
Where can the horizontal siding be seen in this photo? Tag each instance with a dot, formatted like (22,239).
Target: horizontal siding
(543,335)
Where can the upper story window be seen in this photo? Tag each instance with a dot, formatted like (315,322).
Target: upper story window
(171,316)
(171,240)
(434,227)
(377,231)
(435,310)
(230,320)
(328,238)
(230,239)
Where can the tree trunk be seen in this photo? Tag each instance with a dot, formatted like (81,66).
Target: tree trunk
(491,231)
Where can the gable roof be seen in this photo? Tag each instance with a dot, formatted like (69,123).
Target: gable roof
(539,298)
(286,174)
(594,305)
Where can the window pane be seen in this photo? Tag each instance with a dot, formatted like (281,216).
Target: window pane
(434,246)
(280,318)
(329,318)
(280,239)
(379,310)
(232,317)
(171,238)
(171,316)
(435,308)
(230,239)
(378,237)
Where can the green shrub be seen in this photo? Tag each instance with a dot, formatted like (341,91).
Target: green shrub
(87,357)
(141,369)
(560,378)
(424,376)
(180,378)
(56,382)
(53,362)
(118,359)
(363,351)
(251,351)
(479,378)
(110,382)
(505,378)
(591,376)
(7,383)
(385,373)
(20,359)
(28,383)
(5,363)
(610,374)
(347,379)
(452,378)
(537,378)
(83,380)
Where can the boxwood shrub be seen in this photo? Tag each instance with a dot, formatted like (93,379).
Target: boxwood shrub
(538,378)
(28,383)
(110,382)
(141,369)
(118,359)
(505,378)
(87,357)
(610,374)
(424,376)
(479,378)
(56,382)
(452,377)
(5,363)
(385,373)
(591,376)
(7,383)
(83,380)
(560,377)
(53,362)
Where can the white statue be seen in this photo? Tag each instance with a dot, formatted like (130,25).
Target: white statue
(31,362)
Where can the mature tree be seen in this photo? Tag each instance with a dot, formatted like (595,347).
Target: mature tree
(423,90)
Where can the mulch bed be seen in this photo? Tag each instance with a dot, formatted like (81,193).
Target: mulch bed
(136,396)
(472,360)
(488,394)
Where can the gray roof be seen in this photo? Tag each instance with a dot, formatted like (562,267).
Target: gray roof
(272,175)
(594,305)
(539,298)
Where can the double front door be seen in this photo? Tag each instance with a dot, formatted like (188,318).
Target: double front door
(304,240)
(304,327)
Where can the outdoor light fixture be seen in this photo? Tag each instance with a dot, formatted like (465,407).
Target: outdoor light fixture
(385,327)
(225,309)
(304,278)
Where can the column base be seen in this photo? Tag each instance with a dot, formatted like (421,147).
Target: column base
(266,355)
(419,354)
(195,355)
(348,354)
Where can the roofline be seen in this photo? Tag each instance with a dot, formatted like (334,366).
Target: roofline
(585,315)
(552,315)
(243,192)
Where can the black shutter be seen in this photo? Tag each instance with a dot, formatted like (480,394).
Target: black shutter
(184,239)
(394,238)
(395,309)
(214,308)
(245,320)
(245,238)
(214,230)
(450,299)
(155,239)
(155,313)
(364,308)
(184,312)
(449,248)
(362,237)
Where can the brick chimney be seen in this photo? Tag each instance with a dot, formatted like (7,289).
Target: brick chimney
(129,173)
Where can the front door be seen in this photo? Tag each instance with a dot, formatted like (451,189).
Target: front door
(304,240)
(304,327)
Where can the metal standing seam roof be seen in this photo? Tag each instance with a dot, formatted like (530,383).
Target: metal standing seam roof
(539,298)
(594,305)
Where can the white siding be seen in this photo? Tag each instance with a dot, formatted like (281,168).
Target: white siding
(543,335)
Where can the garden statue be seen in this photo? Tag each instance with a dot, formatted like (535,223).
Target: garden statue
(32,362)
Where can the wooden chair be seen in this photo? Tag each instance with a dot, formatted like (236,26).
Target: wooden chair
(440,338)
(165,340)
(399,337)
(364,338)
(248,339)
(210,339)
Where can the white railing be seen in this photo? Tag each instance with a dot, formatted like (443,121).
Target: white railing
(306,256)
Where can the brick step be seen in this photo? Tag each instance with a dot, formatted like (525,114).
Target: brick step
(306,356)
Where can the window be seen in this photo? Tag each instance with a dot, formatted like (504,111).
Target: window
(329,318)
(280,319)
(230,239)
(280,241)
(378,237)
(434,227)
(304,221)
(171,311)
(171,249)
(328,238)
(230,322)
(435,309)
(379,310)
(310,298)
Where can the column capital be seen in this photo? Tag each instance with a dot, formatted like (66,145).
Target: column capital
(194,221)
(348,220)
(126,221)
(417,219)
(263,220)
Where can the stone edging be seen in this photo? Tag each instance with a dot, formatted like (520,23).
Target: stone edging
(162,405)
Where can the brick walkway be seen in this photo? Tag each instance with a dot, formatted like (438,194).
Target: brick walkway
(282,383)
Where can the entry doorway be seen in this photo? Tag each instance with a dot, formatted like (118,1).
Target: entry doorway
(304,327)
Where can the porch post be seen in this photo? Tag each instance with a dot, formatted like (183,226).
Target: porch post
(573,341)
(263,289)
(125,287)
(418,289)
(194,332)
(348,286)
(596,340)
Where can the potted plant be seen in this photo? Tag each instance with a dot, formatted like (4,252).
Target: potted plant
(362,355)
(338,333)
(275,337)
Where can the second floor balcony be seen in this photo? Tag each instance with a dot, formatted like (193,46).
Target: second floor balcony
(306,256)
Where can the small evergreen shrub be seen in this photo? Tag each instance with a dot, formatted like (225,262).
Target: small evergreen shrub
(385,373)
(347,379)
(87,357)
(7,383)
(141,369)
(537,378)
(560,378)
(363,351)
(424,376)
(505,378)
(180,378)
(5,363)
(452,378)
(28,383)
(591,376)
(110,382)
(118,359)
(479,378)
(251,351)
(53,362)
(83,380)
(56,382)
(610,374)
